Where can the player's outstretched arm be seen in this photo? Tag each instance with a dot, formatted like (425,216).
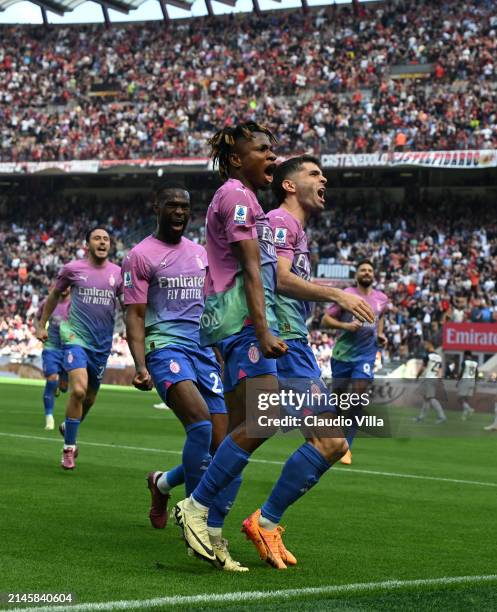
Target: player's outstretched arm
(293,286)
(330,322)
(135,335)
(50,304)
(248,255)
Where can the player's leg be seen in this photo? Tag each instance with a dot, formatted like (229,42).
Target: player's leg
(210,386)
(437,407)
(63,381)
(51,365)
(51,384)
(174,376)
(243,363)
(493,426)
(78,386)
(227,466)
(344,373)
(303,469)
(464,395)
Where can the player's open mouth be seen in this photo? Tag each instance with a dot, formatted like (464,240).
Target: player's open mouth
(321,192)
(268,172)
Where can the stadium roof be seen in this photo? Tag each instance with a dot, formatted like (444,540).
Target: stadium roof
(62,11)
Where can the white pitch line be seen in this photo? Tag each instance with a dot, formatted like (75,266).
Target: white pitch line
(252,596)
(265,461)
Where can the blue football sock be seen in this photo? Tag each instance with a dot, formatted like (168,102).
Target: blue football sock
(49,396)
(223,502)
(71,430)
(228,463)
(353,429)
(196,455)
(302,471)
(175,476)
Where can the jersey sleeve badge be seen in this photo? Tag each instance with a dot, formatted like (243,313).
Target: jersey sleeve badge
(240,217)
(280,236)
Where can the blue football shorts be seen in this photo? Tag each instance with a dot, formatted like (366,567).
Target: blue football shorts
(175,363)
(243,358)
(76,356)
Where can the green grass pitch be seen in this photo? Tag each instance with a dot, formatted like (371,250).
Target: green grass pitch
(87,531)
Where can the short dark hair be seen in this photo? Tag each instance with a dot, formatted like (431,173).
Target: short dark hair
(94,229)
(364,261)
(223,142)
(286,169)
(158,195)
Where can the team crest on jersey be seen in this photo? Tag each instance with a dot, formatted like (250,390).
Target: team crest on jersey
(128,281)
(174,366)
(280,236)
(112,280)
(70,357)
(199,261)
(253,354)
(240,217)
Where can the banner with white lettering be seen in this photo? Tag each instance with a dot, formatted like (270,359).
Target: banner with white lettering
(457,160)
(92,166)
(478,337)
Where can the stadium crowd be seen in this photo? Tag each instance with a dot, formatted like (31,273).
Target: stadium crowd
(322,81)
(435,266)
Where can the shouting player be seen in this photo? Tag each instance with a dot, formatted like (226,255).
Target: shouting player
(163,290)
(52,357)
(354,353)
(299,189)
(96,288)
(239,315)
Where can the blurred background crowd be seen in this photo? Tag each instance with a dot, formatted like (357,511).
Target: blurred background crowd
(327,81)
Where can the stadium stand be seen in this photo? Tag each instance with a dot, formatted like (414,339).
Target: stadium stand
(328,81)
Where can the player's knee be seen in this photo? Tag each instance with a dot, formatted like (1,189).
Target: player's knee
(78,392)
(332,449)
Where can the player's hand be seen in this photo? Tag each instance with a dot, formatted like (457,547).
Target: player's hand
(381,340)
(357,306)
(353,326)
(42,334)
(272,347)
(142,380)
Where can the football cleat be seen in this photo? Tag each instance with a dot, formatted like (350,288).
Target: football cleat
(285,554)
(347,458)
(441,420)
(49,423)
(224,561)
(193,523)
(492,427)
(158,509)
(267,542)
(68,458)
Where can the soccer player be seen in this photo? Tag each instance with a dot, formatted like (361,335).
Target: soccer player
(431,372)
(299,189)
(52,357)
(164,278)
(466,383)
(239,316)
(96,288)
(354,353)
